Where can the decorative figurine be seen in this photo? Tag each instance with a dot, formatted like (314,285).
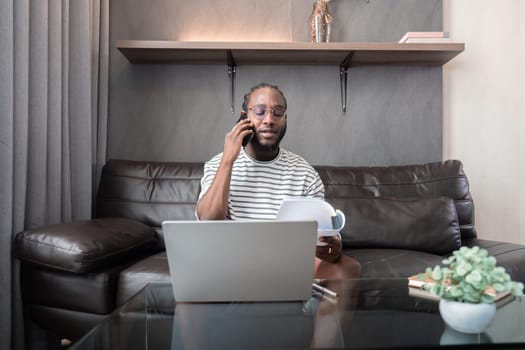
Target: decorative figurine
(321,22)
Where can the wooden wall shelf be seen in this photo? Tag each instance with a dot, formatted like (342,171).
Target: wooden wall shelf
(344,54)
(293,53)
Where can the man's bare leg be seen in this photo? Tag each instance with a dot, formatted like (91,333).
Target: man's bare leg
(330,313)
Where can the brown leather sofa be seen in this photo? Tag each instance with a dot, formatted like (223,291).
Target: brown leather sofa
(400,219)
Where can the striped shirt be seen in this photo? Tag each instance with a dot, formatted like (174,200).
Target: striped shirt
(257,188)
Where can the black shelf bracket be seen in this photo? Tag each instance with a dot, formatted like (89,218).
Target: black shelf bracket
(343,79)
(232,69)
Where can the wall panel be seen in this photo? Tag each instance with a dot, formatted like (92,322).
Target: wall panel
(181,112)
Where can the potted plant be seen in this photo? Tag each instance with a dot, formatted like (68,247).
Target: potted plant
(468,285)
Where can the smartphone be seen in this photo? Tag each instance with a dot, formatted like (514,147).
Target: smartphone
(247,138)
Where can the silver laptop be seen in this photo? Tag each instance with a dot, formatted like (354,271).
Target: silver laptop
(219,261)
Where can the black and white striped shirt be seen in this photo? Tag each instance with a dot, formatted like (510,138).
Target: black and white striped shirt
(258,188)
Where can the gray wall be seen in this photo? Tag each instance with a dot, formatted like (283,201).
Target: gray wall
(181,112)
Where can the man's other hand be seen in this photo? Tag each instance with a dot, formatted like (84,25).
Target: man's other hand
(331,252)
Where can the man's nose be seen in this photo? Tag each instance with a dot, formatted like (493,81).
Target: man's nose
(268,117)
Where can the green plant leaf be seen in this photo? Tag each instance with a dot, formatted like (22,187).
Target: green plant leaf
(501,287)
(437,274)
(463,269)
(474,278)
(517,288)
(487,298)
(437,289)
(455,292)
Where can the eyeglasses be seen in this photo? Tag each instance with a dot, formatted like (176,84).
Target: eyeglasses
(260,111)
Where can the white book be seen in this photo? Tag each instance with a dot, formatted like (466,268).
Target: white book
(427,40)
(423,35)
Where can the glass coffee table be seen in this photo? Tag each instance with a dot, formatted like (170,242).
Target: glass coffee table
(367,314)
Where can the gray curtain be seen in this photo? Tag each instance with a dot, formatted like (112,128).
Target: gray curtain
(53,117)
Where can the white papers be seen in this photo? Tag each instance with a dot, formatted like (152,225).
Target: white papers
(330,221)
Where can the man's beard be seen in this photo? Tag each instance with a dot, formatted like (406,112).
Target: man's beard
(267,148)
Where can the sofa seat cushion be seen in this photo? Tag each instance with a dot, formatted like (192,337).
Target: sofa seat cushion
(428,224)
(84,246)
(153,269)
(390,263)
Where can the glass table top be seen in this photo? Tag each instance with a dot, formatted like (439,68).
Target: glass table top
(367,314)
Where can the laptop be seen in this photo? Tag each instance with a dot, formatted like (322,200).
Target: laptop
(224,261)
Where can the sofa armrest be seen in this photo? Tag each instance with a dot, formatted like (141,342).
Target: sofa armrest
(511,256)
(84,246)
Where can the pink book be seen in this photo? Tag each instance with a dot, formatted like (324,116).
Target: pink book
(409,35)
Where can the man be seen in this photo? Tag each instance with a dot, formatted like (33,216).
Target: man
(251,182)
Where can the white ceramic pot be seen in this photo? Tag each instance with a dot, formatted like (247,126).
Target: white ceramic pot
(466,317)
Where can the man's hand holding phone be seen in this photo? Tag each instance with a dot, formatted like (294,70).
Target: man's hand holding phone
(234,139)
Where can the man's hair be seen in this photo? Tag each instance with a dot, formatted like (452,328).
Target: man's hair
(257,87)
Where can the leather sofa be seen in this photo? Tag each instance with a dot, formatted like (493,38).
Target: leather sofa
(400,219)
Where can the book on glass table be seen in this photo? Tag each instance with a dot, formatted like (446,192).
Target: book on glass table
(422,36)
(418,288)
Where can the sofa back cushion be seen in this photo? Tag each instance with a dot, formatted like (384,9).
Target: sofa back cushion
(427,225)
(150,192)
(422,181)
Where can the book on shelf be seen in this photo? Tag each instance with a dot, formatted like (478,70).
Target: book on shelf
(423,35)
(416,288)
(427,40)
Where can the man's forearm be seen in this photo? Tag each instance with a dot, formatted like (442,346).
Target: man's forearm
(214,204)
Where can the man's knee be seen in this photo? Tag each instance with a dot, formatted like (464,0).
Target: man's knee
(346,267)
(350,268)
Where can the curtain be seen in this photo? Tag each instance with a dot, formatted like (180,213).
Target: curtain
(53,119)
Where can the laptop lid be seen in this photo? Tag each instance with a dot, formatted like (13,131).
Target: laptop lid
(218,261)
